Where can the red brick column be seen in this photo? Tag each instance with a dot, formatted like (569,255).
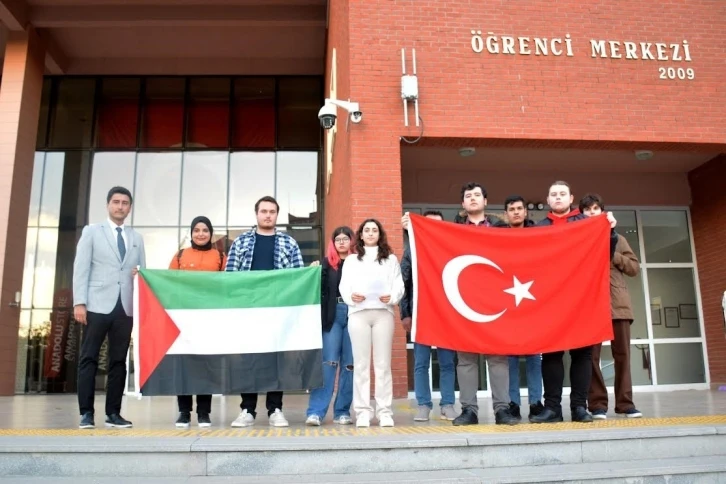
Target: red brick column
(709,235)
(20,92)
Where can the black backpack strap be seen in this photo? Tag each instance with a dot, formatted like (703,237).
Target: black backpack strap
(178,257)
(221,259)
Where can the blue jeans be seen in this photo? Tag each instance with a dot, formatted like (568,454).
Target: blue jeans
(534,379)
(337,354)
(422,359)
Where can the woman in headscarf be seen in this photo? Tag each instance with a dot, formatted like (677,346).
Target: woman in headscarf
(201,256)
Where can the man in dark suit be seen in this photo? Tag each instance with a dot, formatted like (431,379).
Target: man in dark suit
(107,257)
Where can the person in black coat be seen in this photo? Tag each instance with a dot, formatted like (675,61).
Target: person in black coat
(553,370)
(337,349)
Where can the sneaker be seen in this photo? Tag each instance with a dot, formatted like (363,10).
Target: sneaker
(118,422)
(631,413)
(277,419)
(504,417)
(244,419)
(467,417)
(422,415)
(580,414)
(363,421)
(514,411)
(203,420)
(448,412)
(313,421)
(87,421)
(535,409)
(343,420)
(600,414)
(184,420)
(386,421)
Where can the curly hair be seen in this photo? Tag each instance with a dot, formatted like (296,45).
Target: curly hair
(384,250)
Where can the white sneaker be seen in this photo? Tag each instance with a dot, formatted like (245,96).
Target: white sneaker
(343,420)
(278,419)
(313,421)
(362,421)
(244,419)
(385,421)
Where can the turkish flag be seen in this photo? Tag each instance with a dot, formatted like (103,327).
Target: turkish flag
(505,291)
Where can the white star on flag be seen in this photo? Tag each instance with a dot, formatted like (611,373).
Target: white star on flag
(520,291)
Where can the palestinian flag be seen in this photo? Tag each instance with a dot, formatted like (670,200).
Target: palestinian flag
(227,332)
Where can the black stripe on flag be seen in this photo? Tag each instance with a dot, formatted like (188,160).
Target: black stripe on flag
(227,374)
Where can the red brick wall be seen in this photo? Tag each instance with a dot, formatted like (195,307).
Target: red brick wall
(709,234)
(466,95)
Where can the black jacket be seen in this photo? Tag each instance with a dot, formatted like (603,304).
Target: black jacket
(330,280)
(579,216)
(406,304)
(505,225)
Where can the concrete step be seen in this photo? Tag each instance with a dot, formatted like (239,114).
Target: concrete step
(541,456)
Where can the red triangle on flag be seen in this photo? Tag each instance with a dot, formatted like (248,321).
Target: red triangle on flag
(157,332)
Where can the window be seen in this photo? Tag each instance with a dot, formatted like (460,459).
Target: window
(73,113)
(163,113)
(254,113)
(118,113)
(208,125)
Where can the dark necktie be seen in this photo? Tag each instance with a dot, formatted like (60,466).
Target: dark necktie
(121,243)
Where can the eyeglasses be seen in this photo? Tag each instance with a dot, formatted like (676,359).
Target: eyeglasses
(342,240)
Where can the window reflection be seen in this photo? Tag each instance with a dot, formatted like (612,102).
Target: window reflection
(118,113)
(639,328)
(666,236)
(31,245)
(73,113)
(297,181)
(161,246)
(156,197)
(309,242)
(21,365)
(640,365)
(35,189)
(163,113)
(251,177)
(254,113)
(680,363)
(204,189)
(628,228)
(42,139)
(673,303)
(208,125)
(50,199)
(44,280)
(109,170)
(298,104)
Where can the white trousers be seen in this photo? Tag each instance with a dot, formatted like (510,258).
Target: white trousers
(372,327)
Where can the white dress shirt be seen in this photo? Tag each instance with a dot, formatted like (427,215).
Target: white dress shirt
(113,226)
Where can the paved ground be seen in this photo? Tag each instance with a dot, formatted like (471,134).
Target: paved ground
(154,416)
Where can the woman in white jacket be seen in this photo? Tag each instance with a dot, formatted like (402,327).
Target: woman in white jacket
(371,285)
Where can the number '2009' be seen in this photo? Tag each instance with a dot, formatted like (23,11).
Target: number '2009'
(673,73)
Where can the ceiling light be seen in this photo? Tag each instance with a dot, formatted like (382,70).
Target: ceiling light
(466,151)
(643,155)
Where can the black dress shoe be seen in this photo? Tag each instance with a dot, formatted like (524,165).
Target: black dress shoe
(536,409)
(117,421)
(580,414)
(505,417)
(87,421)
(547,416)
(467,417)
(514,410)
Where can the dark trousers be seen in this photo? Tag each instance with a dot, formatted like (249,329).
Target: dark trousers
(204,404)
(249,402)
(620,346)
(553,377)
(117,325)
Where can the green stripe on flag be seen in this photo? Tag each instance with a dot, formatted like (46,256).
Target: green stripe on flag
(234,290)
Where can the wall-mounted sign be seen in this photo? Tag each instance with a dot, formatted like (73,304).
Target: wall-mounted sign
(605,49)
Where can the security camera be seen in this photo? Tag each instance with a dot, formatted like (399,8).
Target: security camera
(327,116)
(328,113)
